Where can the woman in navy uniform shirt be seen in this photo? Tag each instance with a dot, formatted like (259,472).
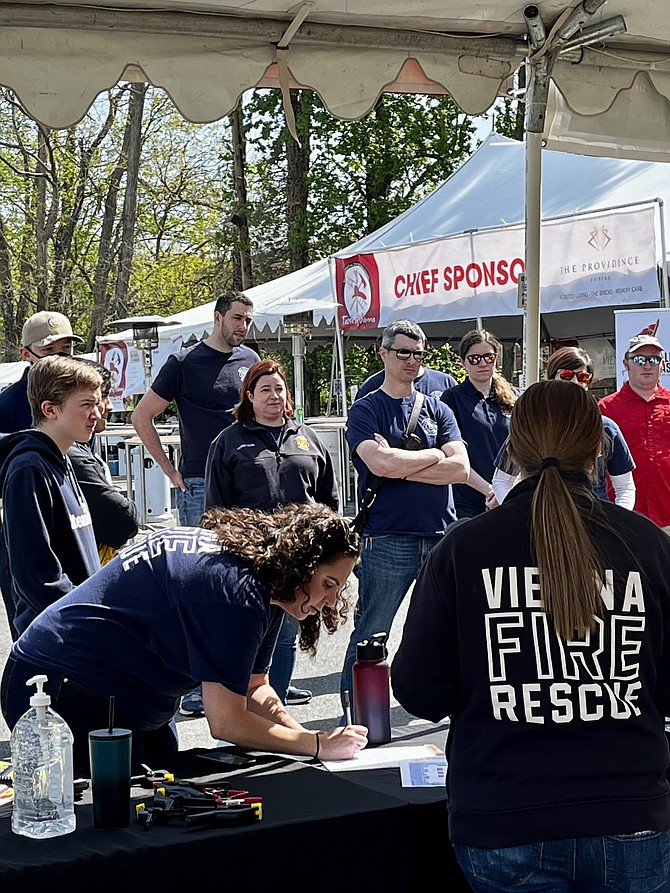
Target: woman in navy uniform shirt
(575,365)
(482,405)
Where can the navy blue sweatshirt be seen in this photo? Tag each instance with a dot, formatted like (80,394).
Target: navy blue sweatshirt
(15,414)
(548,739)
(47,524)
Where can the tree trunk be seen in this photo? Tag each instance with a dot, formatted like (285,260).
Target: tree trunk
(12,333)
(41,248)
(297,185)
(380,172)
(105,256)
(242,271)
(134,131)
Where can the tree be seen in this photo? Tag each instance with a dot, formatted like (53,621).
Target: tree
(243,276)
(355,176)
(46,213)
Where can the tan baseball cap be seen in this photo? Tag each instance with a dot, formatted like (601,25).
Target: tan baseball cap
(45,327)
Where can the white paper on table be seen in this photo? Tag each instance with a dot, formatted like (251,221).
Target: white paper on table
(424,773)
(383,758)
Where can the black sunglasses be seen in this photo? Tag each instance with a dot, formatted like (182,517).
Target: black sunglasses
(404,354)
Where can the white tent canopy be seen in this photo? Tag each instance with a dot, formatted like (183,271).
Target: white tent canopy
(206,53)
(486,191)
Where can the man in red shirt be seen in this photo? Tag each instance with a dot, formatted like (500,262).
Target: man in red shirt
(641,408)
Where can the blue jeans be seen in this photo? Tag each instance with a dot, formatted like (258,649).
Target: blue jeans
(191,502)
(283,658)
(389,565)
(625,863)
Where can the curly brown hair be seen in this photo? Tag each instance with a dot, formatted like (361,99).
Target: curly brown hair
(285,547)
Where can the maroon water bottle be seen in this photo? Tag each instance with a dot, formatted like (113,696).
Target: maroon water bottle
(372,688)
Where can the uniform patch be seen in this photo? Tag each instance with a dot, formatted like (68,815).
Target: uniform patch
(301,442)
(242,372)
(429,426)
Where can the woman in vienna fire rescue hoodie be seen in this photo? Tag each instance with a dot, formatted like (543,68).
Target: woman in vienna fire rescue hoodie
(542,628)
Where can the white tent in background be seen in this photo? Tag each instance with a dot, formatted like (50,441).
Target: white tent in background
(486,191)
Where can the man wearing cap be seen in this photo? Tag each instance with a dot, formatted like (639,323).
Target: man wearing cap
(44,334)
(641,408)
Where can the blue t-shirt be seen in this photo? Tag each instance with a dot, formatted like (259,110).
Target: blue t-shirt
(431,383)
(205,384)
(617,458)
(167,613)
(403,507)
(484,427)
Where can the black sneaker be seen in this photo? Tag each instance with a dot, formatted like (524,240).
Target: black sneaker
(191,704)
(296,696)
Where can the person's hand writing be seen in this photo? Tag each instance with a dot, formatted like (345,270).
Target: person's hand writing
(342,743)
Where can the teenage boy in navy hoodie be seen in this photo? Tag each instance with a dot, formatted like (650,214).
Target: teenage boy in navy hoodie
(47,524)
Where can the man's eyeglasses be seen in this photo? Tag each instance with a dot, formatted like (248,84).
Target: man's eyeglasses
(568,374)
(642,360)
(476,358)
(403,354)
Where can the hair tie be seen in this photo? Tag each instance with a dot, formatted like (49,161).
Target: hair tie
(550,462)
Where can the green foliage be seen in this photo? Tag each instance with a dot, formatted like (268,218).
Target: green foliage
(508,116)
(444,359)
(282,356)
(56,188)
(362,173)
(360,362)
(375,168)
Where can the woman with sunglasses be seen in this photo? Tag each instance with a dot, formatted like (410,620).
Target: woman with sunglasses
(575,365)
(542,630)
(482,405)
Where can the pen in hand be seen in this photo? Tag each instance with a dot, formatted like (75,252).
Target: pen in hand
(347,708)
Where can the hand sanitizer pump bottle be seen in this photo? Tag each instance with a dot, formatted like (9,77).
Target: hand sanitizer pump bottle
(41,746)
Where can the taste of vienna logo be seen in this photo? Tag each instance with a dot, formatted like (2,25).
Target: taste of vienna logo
(600,238)
(357,291)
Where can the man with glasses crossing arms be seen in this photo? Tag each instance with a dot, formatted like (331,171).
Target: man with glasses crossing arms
(641,408)
(414,504)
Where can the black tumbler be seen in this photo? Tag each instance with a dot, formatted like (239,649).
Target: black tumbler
(109,753)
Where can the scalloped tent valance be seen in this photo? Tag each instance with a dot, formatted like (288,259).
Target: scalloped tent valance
(59,57)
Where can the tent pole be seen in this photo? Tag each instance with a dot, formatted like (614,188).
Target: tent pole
(339,343)
(540,67)
(298,351)
(665,299)
(531,334)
